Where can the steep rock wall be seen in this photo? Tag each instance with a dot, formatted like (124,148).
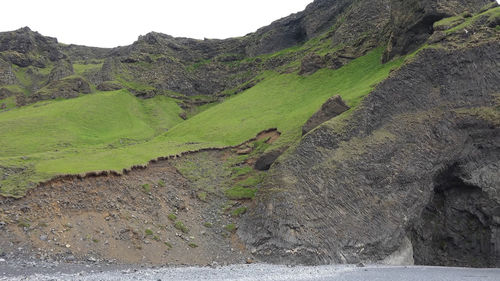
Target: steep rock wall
(353,188)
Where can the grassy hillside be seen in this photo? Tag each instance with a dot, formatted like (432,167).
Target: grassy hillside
(112,131)
(77,126)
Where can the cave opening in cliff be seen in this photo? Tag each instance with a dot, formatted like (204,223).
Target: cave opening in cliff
(455,229)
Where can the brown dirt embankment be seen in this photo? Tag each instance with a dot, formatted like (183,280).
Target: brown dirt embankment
(147,214)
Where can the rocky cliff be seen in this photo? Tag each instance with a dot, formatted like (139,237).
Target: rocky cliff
(344,30)
(411,175)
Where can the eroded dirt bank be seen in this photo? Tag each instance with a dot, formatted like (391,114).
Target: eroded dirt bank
(148,215)
(176,210)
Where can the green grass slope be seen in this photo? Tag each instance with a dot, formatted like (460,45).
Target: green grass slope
(284,101)
(112,131)
(106,119)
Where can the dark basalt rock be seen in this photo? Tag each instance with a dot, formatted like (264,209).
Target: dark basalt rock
(70,87)
(265,161)
(459,226)
(63,68)
(109,86)
(357,190)
(23,42)
(412,21)
(296,28)
(7,77)
(334,106)
(18,59)
(310,64)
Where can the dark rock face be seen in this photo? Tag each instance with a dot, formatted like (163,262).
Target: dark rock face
(334,106)
(210,67)
(310,64)
(70,87)
(296,28)
(7,77)
(62,69)
(412,21)
(356,190)
(460,225)
(109,86)
(265,161)
(205,67)
(84,53)
(368,33)
(18,47)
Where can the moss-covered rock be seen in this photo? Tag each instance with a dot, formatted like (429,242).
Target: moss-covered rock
(69,87)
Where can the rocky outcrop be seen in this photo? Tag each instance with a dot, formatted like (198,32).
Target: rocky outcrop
(109,69)
(84,53)
(264,162)
(412,21)
(62,69)
(358,189)
(310,64)
(7,77)
(211,67)
(334,106)
(70,87)
(24,47)
(109,86)
(296,28)
(460,225)
(359,36)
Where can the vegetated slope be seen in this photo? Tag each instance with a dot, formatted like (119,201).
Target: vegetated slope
(100,118)
(411,176)
(38,68)
(77,127)
(92,135)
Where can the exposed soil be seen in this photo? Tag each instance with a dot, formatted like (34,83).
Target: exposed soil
(125,218)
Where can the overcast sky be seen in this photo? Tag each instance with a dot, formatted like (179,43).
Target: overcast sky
(111,23)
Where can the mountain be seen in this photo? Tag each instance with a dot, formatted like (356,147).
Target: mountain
(353,131)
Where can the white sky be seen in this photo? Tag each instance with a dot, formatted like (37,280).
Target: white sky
(111,23)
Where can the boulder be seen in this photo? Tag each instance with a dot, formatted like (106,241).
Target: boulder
(69,87)
(265,161)
(310,64)
(109,86)
(62,69)
(334,106)
(7,77)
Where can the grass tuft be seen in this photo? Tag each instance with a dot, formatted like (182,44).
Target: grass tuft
(239,211)
(180,226)
(146,188)
(240,193)
(172,217)
(230,227)
(202,196)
